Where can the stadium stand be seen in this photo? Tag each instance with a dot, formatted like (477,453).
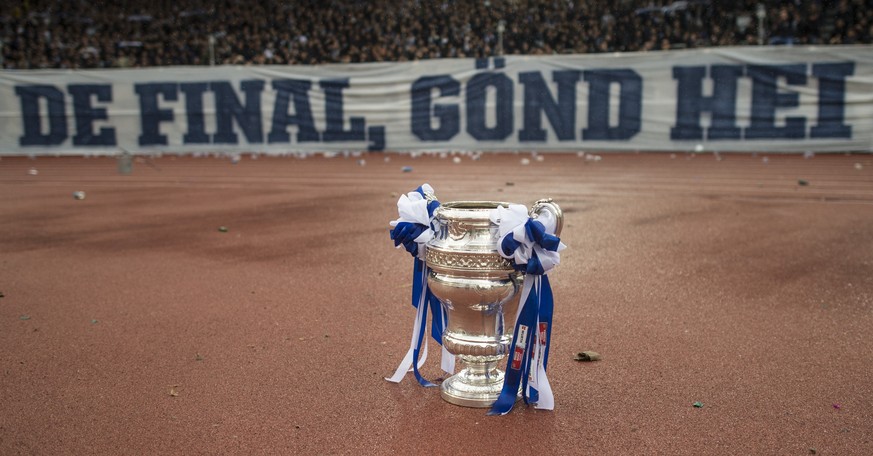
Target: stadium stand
(144,33)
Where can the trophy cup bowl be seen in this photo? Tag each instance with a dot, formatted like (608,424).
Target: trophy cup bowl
(479,290)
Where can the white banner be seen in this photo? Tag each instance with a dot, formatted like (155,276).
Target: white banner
(718,99)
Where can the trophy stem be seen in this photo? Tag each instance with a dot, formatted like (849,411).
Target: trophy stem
(478,384)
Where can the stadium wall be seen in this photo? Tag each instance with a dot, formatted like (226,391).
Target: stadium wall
(785,99)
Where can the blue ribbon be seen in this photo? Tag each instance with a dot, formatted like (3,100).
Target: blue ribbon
(438,317)
(546,309)
(419,283)
(536,232)
(509,244)
(518,362)
(533,265)
(534,320)
(405,233)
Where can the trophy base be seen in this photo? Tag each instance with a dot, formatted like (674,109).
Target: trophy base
(470,389)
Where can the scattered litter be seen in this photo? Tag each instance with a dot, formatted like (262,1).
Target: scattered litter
(2,295)
(94,321)
(859,166)
(802,182)
(698,148)
(540,158)
(592,157)
(456,160)
(587,356)
(808,154)
(394,194)
(234,159)
(222,229)
(812,451)
(510,184)
(837,406)
(125,163)
(525,161)
(33,172)
(327,336)
(580,154)
(765,160)
(198,357)
(387,159)
(406,169)
(24,317)
(173,392)
(698,404)
(362,162)
(80,195)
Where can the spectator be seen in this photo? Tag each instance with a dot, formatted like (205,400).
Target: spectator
(142,33)
(784,28)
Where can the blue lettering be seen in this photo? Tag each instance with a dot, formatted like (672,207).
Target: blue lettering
(333,98)
(447,115)
(376,136)
(228,108)
(691,103)
(151,115)
(477,92)
(302,117)
(766,99)
(86,114)
(196,133)
(32,121)
(832,100)
(630,106)
(538,99)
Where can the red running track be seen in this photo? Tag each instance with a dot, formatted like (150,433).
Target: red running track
(129,324)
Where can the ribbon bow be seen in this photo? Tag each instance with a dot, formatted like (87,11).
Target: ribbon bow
(412,230)
(534,249)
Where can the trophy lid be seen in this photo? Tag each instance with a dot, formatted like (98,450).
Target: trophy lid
(468,211)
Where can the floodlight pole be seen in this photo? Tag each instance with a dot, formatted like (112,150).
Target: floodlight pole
(761,13)
(211,50)
(501,27)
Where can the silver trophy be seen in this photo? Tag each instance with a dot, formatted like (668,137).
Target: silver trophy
(479,289)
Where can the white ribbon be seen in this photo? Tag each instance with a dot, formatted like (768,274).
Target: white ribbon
(512,220)
(406,364)
(538,378)
(412,208)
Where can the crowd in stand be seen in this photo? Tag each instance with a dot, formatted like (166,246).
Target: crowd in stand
(143,33)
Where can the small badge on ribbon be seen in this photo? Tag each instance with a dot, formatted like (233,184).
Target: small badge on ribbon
(412,230)
(534,249)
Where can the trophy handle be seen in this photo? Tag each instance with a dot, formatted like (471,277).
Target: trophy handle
(547,204)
